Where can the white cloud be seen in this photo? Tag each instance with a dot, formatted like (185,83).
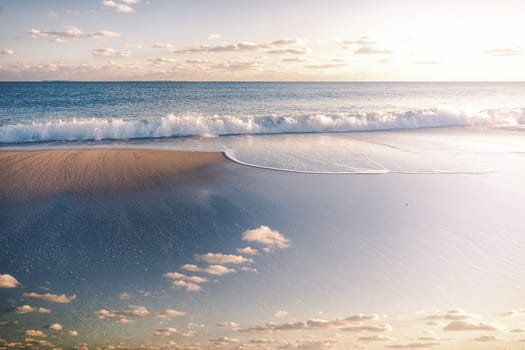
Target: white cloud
(313,344)
(451,315)
(188,286)
(512,313)
(168,313)
(371,50)
(361,318)
(289,51)
(199,61)
(8,281)
(108,69)
(326,66)
(35,333)
(286,42)
(180,276)
(468,326)
(223,341)
(240,47)
(109,52)
(125,321)
(280,313)
(375,337)
(267,237)
(54,298)
(217,270)
(124,296)
(26,309)
(191,268)
(350,321)
(166,332)
(487,338)
(72,333)
(264,341)
(368,328)
(413,345)
(55,327)
(46,344)
(163,46)
(248,251)
(81,346)
(214,36)
(6,52)
(219,258)
(120,6)
(294,59)
(137,311)
(364,40)
(193,325)
(236,66)
(162,60)
(73,32)
(234,326)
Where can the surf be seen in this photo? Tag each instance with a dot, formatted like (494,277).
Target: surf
(202,125)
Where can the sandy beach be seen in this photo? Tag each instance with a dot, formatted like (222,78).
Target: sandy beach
(125,246)
(30,174)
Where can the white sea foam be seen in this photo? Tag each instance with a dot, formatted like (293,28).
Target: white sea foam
(201,125)
(363,171)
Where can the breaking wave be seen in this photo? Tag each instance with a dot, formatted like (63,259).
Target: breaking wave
(83,129)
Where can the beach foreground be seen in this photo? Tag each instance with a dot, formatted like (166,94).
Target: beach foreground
(134,249)
(29,174)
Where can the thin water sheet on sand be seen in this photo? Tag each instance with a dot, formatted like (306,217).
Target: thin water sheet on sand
(252,256)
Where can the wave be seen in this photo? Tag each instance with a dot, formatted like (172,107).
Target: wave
(83,129)
(230,155)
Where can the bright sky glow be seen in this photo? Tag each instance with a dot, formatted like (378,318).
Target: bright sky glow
(262,40)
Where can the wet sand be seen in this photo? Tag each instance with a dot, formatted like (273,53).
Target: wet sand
(33,174)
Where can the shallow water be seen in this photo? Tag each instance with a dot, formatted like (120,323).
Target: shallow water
(398,249)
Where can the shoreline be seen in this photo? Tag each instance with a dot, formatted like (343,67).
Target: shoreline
(31,174)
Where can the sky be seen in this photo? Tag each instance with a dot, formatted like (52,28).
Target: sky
(248,40)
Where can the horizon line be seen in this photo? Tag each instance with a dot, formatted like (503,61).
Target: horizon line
(258,81)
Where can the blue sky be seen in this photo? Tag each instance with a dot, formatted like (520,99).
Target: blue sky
(290,40)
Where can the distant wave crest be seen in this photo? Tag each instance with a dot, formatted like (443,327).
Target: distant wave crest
(191,124)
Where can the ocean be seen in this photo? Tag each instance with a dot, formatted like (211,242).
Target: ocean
(346,215)
(71,111)
(226,116)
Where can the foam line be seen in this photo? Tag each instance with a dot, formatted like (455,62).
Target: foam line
(194,124)
(230,156)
